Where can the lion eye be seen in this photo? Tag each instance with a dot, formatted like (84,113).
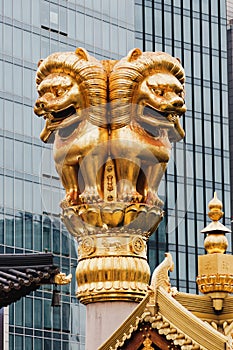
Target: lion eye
(158,92)
(60,91)
(181,94)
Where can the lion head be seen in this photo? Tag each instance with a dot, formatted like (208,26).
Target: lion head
(68,84)
(148,87)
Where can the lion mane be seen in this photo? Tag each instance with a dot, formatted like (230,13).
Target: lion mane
(129,72)
(88,72)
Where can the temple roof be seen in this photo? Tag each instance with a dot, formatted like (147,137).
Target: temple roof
(172,322)
(168,319)
(23,273)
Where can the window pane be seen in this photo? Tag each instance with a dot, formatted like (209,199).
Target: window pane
(37,311)
(29,312)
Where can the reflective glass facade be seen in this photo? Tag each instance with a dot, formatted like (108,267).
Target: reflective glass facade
(195,32)
(230,83)
(30,191)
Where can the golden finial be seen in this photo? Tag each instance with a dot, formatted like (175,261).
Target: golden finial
(215,207)
(215,242)
(214,268)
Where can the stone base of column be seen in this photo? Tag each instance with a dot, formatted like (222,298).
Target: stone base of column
(103,318)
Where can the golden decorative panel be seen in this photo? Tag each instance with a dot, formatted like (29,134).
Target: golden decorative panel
(112,278)
(147,344)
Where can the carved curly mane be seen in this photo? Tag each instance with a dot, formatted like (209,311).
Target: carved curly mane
(132,70)
(88,72)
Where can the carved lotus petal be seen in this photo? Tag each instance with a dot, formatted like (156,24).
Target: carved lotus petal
(92,218)
(91,215)
(112,215)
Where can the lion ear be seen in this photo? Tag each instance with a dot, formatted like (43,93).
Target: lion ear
(134,54)
(178,59)
(82,53)
(39,62)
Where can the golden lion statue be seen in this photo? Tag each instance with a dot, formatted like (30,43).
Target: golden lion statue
(72,89)
(147,97)
(111,122)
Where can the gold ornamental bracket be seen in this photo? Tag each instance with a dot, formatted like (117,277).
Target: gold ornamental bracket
(215,269)
(62,279)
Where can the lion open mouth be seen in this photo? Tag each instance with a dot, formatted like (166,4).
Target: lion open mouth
(65,113)
(148,110)
(157,118)
(157,121)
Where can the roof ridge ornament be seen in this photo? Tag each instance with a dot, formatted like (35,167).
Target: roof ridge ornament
(215,275)
(160,279)
(215,242)
(215,207)
(160,276)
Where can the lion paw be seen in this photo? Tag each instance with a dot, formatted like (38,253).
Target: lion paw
(153,199)
(72,197)
(132,197)
(90,196)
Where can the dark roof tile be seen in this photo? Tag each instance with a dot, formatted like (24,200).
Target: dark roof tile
(21,274)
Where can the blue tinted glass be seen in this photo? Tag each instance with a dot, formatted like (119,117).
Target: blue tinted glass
(28,343)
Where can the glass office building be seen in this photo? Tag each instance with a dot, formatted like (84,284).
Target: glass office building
(230,83)
(30,191)
(195,32)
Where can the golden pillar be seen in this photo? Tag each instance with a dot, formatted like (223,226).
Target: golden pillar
(111,124)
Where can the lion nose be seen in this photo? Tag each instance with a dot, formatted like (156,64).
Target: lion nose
(174,100)
(40,104)
(178,102)
(40,107)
